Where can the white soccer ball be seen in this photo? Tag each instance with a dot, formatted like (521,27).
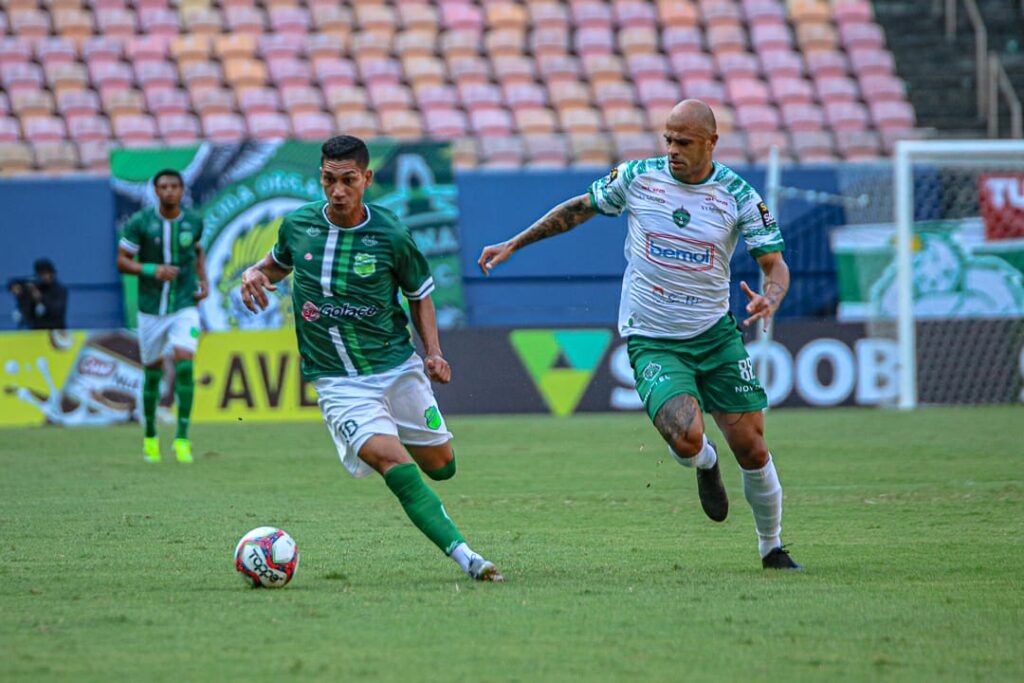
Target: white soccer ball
(267,557)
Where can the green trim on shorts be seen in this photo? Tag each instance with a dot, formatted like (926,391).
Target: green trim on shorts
(713,367)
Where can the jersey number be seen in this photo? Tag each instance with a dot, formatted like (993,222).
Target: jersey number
(746,370)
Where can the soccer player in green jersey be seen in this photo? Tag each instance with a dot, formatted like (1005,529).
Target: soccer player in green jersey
(686,215)
(160,245)
(349,261)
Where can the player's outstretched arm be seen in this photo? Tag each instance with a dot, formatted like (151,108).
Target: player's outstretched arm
(776,283)
(562,218)
(424,319)
(257,280)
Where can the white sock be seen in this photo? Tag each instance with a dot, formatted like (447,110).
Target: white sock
(704,460)
(764,493)
(463,555)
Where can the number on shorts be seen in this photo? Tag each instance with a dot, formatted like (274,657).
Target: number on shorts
(746,370)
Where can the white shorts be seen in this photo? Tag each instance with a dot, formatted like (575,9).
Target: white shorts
(398,402)
(158,334)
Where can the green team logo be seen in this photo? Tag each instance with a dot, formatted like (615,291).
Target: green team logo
(432,418)
(185,239)
(651,371)
(681,217)
(561,362)
(194,332)
(364,265)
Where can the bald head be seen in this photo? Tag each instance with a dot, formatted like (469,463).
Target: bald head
(691,135)
(693,114)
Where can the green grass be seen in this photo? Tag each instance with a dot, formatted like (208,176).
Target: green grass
(910,525)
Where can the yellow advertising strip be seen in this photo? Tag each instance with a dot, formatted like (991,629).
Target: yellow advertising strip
(35,367)
(251,376)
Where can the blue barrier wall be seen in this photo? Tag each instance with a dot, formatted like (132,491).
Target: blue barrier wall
(570,279)
(67,220)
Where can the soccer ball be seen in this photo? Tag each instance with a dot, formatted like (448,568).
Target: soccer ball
(267,557)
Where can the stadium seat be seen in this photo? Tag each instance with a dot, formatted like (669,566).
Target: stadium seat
(416,44)
(258,100)
(162,101)
(122,102)
(889,115)
(402,124)
(325,45)
(15,158)
(813,146)
(212,100)
(568,94)
(855,11)
(535,121)
(268,126)
(78,103)
(638,40)
(461,16)
(677,13)
(513,70)
(547,14)
(289,20)
(385,96)
(288,71)
(759,144)
(836,89)
(767,12)
(30,24)
(731,148)
(55,157)
(32,103)
(612,94)
(826,63)
(362,124)
(301,98)
(312,125)
(815,36)
(434,96)
(50,51)
(280,45)
(110,76)
(379,70)
(639,145)
(770,37)
(225,127)
(855,36)
(547,151)
(415,16)
(591,14)
(846,115)
(742,90)
(491,122)
(559,68)
(178,129)
(330,71)
(465,153)
(43,127)
(781,63)
(858,145)
(658,93)
(501,152)
(135,129)
(726,38)
(234,46)
(802,116)
(160,22)
(146,48)
(693,65)
(505,42)
(375,44)
(602,67)
(94,156)
(245,73)
(757,118)
(149,74)
(580,120)
(524,95)
(871,62)
(445,123)
(89,129)
(629,13)
(191,48)
(676,39)
(624,120)
(10,131)
(594,41)
(475,96)
(647,66)
(463,70)
(809,11)
(545,42)
(77,24)
(344,98)
(709,90)
(882,88)
(241,19)
(204,22)
(788,90)
(591,150)
(737,65)
(333,19)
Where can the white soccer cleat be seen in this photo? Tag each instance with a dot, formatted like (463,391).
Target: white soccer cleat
(482,570)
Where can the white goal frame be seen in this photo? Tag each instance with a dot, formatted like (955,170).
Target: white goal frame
(908,153)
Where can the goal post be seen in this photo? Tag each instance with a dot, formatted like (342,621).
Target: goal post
(971,185)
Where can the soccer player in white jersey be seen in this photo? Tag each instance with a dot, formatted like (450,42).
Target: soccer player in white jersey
(349,260)
(686,215)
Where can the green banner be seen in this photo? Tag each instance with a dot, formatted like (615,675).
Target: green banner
(244,190)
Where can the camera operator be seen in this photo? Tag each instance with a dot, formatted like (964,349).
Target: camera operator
(41,299)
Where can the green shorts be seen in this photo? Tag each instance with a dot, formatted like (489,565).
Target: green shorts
(713,367)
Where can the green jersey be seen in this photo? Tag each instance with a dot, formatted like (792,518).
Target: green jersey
(345,289)
(155,239)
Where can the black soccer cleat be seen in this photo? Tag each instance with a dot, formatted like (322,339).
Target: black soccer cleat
(779,558)
(713,497)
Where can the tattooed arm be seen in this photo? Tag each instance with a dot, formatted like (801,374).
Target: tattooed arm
(562,218)
(776,283)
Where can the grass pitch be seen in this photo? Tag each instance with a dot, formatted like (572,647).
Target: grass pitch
(910,526)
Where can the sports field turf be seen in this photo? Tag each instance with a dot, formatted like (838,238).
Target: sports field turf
(910,525)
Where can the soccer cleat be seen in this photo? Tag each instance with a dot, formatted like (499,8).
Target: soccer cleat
(183,449)
(151,449)
(713,497)
(482,570)
(779,558)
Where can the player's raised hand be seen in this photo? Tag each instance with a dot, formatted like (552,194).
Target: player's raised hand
(255,285)
(438,369)
(166,273)
(494,255)
(759,307)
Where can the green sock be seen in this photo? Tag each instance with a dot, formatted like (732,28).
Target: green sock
(183,389)
(150,397)
(423,506)
(446,472)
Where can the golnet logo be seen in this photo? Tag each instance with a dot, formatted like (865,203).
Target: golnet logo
(310,313)
(561,362)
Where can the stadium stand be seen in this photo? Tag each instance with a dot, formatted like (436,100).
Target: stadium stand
(588,79)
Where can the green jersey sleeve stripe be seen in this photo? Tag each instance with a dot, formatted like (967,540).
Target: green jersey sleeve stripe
(128,245)
(597,205)
(424,290)
(278,261)
(767,249)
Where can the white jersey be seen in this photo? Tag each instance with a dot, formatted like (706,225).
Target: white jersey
(681,239)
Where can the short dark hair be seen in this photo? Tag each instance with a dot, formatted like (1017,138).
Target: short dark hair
(44,265)
(170,172)
(345,147)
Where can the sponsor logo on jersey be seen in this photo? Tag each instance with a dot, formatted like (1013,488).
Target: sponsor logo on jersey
(185,239)
(681,217)
(675,298)
(369,241)
(313,231)
(613,174)
(680,253)
(364,265)
(766,216)
(650,188)
(651,371)
(308,256)
(311,312)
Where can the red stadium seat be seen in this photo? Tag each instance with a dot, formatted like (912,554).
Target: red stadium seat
(280,46)
(288,71)
(376,70)
(634,13)
(258,100)
(162,101)
(836,89)
(17,76)
(334,71)
(788,90)
(535,121)
(387,96)
(150,73)
(858,36)
(224,127)
(502,152)
(445,124)
(640,145)
(813,146)
(826,63)
(312,125)
(457,15)
(15,51)
(143,48)
(469,70)
(76,103)
(52,51)
(242,19)
(859,145)
(135,129)
(676,39)
(693,65)
(289,20)
(643,67)
(302,98)
(434,97)
(547,151)
(770,37)
(738,65)
(709,90)
(846,115)
(854,11)
(212,100)
(30,24)
(658,93)
(742,91)
(178,129)
(550,14)
(871,62)
(757,118)
(513,70)
(491,122)
(614,94)
(10,131)
(759,144)
(269,126)
(160,22)
(108,75)
(89,128)
(591,15)
(525,95)
(475,96)
(890,116)
(781,63)
(726,38)
(559,68)
(881,88)
(720,13)
(802,116)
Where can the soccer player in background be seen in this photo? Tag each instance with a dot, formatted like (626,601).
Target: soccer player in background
(349,261)
(686,214)
(160,245)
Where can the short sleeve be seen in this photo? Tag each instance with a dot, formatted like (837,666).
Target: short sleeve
(280,252)
(608,194)
(201,230)
(131,239)
(760,230)
(412,270)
